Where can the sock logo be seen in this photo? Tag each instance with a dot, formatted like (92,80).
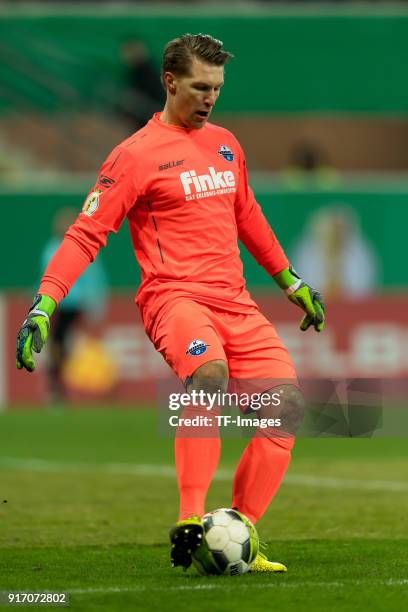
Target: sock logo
(207,185)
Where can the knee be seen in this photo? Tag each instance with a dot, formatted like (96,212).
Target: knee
(290,409)
(293,407)
(211,377)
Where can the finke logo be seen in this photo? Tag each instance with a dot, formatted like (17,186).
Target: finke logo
(207,185)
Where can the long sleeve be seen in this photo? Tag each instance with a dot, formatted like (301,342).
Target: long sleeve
(253,229)
(104,209)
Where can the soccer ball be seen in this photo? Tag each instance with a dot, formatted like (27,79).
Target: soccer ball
(229,546)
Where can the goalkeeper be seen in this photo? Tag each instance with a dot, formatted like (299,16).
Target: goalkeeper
(182,184)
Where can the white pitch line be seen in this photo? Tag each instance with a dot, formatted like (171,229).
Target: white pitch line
(204,587)
(234,584)
(346,483)
(167,471)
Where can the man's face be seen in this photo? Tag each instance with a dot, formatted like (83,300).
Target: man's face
(192,98)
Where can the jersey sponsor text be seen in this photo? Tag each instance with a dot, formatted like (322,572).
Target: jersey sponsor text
(207,185)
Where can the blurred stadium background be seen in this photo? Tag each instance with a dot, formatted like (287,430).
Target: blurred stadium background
(318,98)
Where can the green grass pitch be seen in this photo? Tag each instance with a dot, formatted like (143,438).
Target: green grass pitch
(87,497)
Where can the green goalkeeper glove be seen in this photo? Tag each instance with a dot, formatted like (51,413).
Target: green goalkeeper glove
(33,333)
(303,296)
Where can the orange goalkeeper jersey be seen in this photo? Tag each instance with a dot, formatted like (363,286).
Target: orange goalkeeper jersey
(186,197)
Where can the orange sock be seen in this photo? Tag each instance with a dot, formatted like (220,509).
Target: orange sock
(196,461)
(259,473)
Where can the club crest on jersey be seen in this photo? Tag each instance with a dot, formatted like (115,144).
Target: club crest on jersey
(196,347)
(226,153)
(92,202)
(213,183)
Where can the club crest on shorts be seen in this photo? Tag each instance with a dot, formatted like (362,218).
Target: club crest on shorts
(226,153)
(196,347)
(91,202)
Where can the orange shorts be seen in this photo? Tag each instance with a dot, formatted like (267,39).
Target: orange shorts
(190,334)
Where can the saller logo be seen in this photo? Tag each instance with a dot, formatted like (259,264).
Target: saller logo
(171,164)
(207,185)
